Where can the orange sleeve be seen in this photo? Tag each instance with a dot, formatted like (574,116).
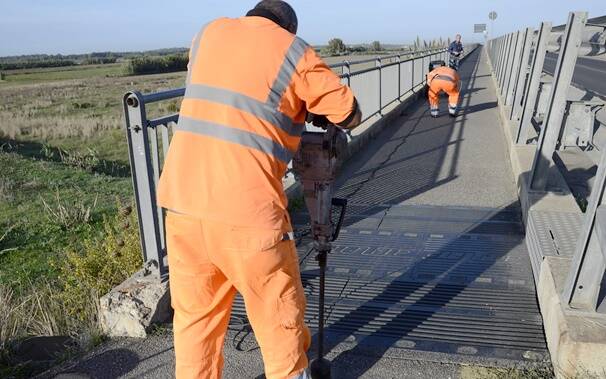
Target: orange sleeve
(321,89)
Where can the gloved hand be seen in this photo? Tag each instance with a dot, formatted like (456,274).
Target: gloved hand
(318,120)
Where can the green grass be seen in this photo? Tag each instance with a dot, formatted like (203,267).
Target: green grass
(34,237)
(41,75)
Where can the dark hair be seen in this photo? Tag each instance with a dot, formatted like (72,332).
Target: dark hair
(279,12)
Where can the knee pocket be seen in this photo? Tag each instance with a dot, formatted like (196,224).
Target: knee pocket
(291,303)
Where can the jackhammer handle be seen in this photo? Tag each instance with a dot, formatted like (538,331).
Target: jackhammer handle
(342,203)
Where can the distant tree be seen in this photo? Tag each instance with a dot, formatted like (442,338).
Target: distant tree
(376,46)
(418,44)
(1,75)
(336,46)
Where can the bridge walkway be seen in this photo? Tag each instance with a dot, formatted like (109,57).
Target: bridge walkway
(431,273)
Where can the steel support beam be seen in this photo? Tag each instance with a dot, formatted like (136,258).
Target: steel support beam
(144,171)
(522,75)
(586,276)
(534,81)
(513,49)
(550,132)
(516,68)
(508,44)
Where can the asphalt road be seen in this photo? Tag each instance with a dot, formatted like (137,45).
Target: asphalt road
(589,73)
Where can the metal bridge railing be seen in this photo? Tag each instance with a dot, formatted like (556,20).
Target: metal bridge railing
(543,106)
(389,80)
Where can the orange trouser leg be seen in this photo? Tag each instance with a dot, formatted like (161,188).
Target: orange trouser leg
(207,261)
(201,297)
(265,271)
(434,95)
(452,89)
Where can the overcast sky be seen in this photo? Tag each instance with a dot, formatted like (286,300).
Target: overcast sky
(82,26)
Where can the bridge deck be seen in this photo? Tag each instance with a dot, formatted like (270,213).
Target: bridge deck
(431,265)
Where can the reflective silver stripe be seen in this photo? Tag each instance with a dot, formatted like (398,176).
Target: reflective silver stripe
(293,55)
(444,77)
(246,104)
(194,52)
(237,136)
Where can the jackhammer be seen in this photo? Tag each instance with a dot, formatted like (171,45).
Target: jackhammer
(316,163)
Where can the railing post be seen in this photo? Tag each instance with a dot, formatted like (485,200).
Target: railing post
(347,72)
(532,89)
(521,74)
(506,54)
(143,181)
(379,65)
(562,77)
(514,69)
(589,262)
(509,64)
(399,77)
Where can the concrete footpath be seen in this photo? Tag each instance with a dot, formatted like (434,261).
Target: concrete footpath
(430,277)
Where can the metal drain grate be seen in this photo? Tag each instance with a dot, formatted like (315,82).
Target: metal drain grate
(459,282)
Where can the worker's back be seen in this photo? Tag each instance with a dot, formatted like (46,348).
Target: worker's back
(240,123)
(444,73)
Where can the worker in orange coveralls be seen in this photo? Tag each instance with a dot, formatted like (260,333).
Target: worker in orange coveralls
(251,82)
(443,79)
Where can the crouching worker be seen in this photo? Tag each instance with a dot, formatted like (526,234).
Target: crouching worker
(251,82)
(443,79)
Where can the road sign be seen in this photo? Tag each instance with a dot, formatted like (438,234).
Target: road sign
(479,28)
(492,15)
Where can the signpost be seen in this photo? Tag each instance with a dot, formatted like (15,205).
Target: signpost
(479,28)
(492,16)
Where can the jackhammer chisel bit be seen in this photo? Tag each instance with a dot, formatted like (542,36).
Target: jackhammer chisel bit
(316,164)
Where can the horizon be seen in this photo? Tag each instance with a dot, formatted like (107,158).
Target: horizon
(69,27)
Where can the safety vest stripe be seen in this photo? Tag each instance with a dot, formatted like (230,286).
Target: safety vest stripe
(237,136)
(194,52)
(444,77)
(293,55)
(245,104)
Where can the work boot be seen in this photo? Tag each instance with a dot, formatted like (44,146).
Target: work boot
(452,111)
(434,113)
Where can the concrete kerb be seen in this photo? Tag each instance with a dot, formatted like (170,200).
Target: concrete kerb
(134,306)
(576,341)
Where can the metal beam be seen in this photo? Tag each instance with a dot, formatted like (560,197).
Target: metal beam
(143,173)
(534,81)
(513,49)
(517,71)
(522,75)
(589,262)
(550,132)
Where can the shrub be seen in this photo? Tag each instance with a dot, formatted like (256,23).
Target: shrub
(376,46)
(336,46)
(155,65)
(102,263)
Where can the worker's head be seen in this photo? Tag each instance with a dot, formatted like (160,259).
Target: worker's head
(279,12)
(458,38)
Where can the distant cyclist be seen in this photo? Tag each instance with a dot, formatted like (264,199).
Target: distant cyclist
(456,52)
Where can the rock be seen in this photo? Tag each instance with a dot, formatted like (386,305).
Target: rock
(132,307)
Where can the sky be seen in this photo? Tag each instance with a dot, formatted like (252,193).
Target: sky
(83,26)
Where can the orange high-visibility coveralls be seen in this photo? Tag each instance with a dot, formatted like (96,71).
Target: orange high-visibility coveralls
(249,85)
(443,79)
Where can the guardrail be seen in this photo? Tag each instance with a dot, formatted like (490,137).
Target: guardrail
(517,60)
(390,80)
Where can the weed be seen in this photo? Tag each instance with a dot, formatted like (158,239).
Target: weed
(68,215)
(101,263)
(7,188)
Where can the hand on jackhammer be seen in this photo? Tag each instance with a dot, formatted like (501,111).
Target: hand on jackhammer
(319,121)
